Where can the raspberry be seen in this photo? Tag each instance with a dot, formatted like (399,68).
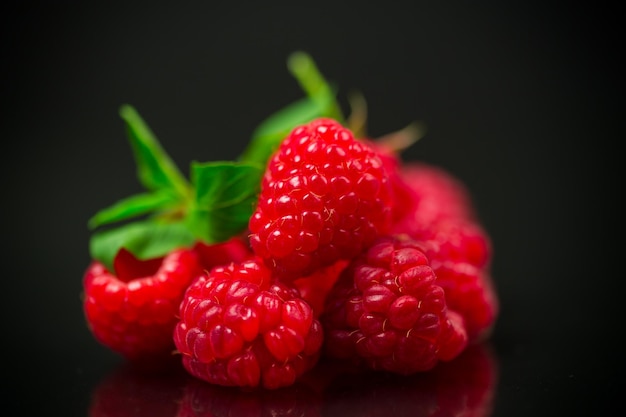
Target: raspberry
(239,327)
(451,239)
(430,204)
(133,311)
(235,249)
(403,193)
(324,197)
(315,287)
(470,292)
(387,311)
(445,223)
(436,194)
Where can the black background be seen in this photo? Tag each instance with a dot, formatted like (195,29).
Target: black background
(521,101)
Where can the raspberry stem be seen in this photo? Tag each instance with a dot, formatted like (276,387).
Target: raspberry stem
(304,69)
(402,139)
(357,119)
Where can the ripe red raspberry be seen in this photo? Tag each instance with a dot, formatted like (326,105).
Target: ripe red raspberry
(403,195)
(453,239)
(387,310)
(325,196)
(239,327)
(133,310)
(436,193)
(446,224)
(315,287)
(235,249)
(471,293)
(430,204)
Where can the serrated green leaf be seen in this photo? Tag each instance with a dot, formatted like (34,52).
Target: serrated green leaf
(134,206)
(225,196)
(146,240)
(155,169)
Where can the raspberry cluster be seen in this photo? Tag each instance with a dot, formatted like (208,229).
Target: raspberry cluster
(328,245)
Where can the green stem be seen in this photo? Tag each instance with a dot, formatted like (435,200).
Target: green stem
(311,80)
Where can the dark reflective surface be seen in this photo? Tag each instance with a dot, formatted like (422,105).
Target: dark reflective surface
(137,391)
(465,386)
(521,101)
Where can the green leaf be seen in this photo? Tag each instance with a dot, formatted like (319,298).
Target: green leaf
(146,240)
(134,206)
(225,196)
(270,133)
(155,168)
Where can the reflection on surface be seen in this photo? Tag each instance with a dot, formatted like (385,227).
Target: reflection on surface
(139,391)
(464,387)
(202,400)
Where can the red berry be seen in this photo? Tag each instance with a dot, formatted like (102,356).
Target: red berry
(133,310)
(445,223)
(403,202)
(387,310)
(436,193)
(235,249)
(240,327)
(315,287)
(325,196)
(430,204)
(470,292)
(453,239)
